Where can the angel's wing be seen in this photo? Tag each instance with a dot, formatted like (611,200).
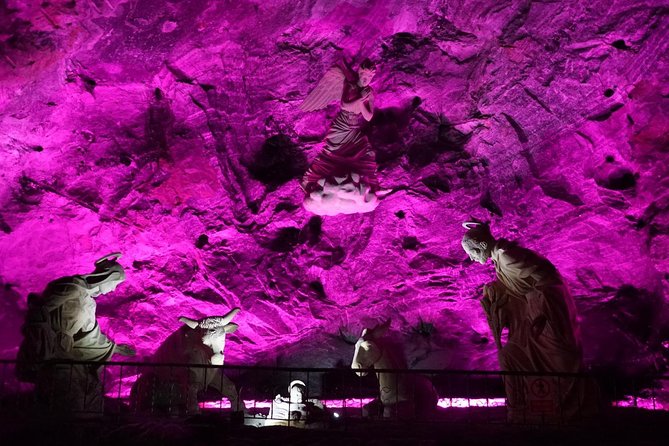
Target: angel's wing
(329,88)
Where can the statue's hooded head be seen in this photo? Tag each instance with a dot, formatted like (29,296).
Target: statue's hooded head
(477,241)
(108,274)
(366,72)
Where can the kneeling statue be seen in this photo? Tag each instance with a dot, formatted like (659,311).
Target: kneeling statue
(532,301)
(60,325)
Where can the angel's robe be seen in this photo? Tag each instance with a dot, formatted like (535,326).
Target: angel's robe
(61,324)
(531,299)
(347,151)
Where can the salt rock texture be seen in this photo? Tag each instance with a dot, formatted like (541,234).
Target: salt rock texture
(170,131)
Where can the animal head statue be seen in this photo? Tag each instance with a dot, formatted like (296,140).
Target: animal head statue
(214,329)
(367,350)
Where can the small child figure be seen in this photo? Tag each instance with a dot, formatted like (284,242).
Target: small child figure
(295,410)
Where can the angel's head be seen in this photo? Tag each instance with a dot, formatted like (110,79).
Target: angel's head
(366,72)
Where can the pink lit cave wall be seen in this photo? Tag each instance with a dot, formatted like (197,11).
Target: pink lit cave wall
(170,131)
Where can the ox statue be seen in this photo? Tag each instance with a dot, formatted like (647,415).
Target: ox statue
(175,390)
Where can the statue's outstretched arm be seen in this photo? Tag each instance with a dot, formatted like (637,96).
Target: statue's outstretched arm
(124,350)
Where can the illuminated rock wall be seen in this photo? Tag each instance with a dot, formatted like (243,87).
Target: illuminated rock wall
(170,131)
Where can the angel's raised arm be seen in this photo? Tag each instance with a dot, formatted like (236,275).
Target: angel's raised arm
(328,89)
(350,74)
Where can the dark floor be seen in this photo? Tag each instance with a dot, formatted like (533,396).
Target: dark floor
(616,427)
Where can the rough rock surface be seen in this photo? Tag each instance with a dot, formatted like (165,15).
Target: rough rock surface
(170,131)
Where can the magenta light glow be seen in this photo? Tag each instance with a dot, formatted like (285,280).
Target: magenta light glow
(356,403)
(641,403)
(444,403)
(122,392)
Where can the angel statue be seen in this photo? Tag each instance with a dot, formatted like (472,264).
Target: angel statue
(342,178)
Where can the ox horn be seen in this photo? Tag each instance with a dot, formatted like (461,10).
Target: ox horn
(192,323)
(471,224)
(218,321)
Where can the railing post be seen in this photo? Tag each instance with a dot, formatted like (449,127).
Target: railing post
(171,390)
(581,388)
(449,390)
(343,406)
(102,384)
(560,400)
(652,393)
(220,386)
(120,382)
(86,389)
(3,379)
(290,398)
(398,377)
(468,392)
(615,390)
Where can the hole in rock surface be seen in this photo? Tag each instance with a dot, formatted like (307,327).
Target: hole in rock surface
(278,161)
(620,44)
(202,241)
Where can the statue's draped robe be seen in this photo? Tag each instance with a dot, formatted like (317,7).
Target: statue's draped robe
(175,389)
(347,151)
(531,299)
(61,324)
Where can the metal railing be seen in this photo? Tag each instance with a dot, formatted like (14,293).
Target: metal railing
(334,396)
